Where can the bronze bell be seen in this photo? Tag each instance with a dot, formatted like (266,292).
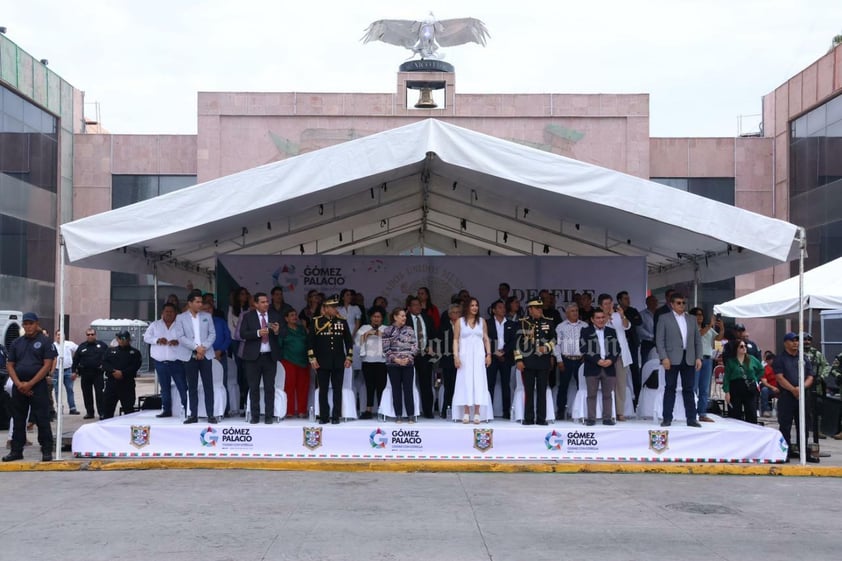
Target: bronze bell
(425,99)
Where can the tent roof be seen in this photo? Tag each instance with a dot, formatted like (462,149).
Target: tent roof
(436,185)
(822,290)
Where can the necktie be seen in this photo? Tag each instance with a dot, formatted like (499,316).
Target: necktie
(419,334)
(263,338)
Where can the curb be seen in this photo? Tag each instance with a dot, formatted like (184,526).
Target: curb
(427,466)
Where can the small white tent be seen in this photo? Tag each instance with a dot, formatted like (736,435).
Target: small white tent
(822,290)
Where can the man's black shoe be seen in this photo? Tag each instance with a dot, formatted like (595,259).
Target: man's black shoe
(74,412)
(254,420)
(528,422)
(191,420)
(13,456)
(608,422)
(213,420)
(366,415)
(323,421)
(160,415)
(666,423)
(590,422)
(269,420)
(334,421)
(88,417)
(46,456)
(542,423)
(696,424)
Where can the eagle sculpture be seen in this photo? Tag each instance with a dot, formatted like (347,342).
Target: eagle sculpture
(424,38)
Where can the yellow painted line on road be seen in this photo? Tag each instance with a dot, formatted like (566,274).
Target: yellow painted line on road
(428,466)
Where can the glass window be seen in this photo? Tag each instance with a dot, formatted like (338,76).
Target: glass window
(815,181)
(29,250)
(834,110)
(816,121)
(130,189)
(132,296)
(717,188)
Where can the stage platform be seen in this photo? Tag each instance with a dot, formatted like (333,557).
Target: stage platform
(141,435)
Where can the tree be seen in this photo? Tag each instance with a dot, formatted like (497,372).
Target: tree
(837,40)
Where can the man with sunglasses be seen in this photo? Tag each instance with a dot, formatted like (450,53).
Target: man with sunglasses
(679,345)
(87,363)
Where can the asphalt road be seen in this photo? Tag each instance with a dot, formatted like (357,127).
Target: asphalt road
(252,515)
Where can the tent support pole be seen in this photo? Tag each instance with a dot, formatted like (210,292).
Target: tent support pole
(802,426)
(63,328)
(155,318)
(695,284)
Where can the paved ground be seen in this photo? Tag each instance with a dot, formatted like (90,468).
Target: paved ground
(248,515)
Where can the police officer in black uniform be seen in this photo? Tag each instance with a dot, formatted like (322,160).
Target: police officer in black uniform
(30,358)
(121,365)
(330,350)
(87,363)
(534,343)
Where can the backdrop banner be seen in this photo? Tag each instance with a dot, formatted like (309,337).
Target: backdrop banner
(394,277)
(141,435)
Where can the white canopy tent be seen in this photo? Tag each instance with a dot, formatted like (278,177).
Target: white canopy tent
(431,184)
(822,290)
(436,185)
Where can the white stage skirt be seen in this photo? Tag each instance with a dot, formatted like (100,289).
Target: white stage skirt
(141,435)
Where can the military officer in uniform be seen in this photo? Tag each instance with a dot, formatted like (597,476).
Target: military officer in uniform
(533,349)
(836,373)
(87,362)
(821,368)
(121,365)
(31,357)
(330,350)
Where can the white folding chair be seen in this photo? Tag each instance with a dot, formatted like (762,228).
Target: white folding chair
(678,411)
(580,403)
(519,399)
(386,407)
(219,393)
(648,397)
(280,396)
(349,402)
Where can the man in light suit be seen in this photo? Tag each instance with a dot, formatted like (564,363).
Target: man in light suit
(679,347)
(196,337)
(261,353)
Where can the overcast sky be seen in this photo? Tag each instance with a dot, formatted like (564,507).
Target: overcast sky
(703,62)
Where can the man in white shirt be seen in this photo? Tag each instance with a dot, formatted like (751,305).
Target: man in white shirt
(65,349)
(568,355)
(620,323)
(169,356)
(196,336)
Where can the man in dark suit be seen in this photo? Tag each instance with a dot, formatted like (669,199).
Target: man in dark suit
(425,333)
(445,354)
(261,353)
(665,309)
(679,345)
(330,350)
(600,349)
(636,320)
(501,334)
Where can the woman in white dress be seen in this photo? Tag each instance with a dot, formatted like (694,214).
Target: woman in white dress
(472,355)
